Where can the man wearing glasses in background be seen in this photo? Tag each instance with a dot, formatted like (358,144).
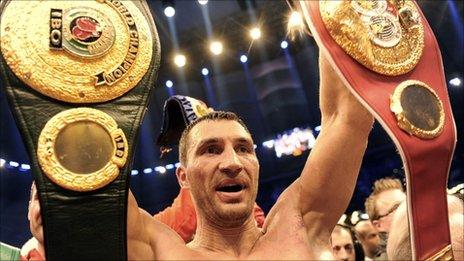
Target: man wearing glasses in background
(386,196)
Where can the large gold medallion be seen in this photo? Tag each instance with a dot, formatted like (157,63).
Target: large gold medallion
(385,36)
(77,51)
(82,149)
(418,109)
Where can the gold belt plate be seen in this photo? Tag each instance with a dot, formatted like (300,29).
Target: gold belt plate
(82,149)
(418,109)
(386,37)
(77,51)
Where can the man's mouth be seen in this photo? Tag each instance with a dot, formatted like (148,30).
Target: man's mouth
(231,191)
(230,188)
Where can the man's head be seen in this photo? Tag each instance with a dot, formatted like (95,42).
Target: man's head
(386,196)
(342,244)
(368,236)
(34,216)
(399,245)
(219,165)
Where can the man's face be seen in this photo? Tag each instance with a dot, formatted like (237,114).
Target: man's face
(386,204)
(342,245)
(368,236)
(222,171)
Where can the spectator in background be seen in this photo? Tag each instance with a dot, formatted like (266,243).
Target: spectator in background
(386,196)
(344,244)
(369,238)
(399,244)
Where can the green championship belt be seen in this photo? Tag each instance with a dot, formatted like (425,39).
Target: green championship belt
(78,75)
(386,54)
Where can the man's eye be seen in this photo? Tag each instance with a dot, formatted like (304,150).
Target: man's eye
(212,150)
(243,149)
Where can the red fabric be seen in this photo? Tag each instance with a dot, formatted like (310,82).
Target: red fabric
(181,215)
(32,255)
(426,162)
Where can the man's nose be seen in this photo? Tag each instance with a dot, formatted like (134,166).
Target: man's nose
(230,162)
(343,255)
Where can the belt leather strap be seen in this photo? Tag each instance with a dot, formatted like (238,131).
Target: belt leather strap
(89,224)
(426,161)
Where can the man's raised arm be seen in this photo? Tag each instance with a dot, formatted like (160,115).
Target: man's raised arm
(328,179)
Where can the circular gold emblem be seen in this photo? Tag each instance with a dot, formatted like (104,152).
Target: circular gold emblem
(87,33)
(369,8)
(77,51)
(372,33)
(82,149)
(418,109)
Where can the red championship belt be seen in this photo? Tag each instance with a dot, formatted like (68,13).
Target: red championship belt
(387,55)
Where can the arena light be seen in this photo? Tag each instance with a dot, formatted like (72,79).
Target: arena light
(148,170)
(295,20)
(455,81)
(169,84)
(205,71)
(269,144)
(2,162)
(243,58)
(317,128)
(177,164)
(216,47)
(284,44)
(13,164)
(202,2)
(25,167)
(255,33)
(170,166)
(169,11)
(160,169)
(180,60)
(134,172)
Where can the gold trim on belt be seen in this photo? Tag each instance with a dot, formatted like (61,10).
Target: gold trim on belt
(77,51)
(385,36)
(82,149)
(418,109)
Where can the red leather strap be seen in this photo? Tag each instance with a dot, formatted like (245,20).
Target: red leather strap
(426,162)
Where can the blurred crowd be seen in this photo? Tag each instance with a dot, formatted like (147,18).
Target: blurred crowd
(381,232)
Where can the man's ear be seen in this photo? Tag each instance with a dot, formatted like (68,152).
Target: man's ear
(181,174)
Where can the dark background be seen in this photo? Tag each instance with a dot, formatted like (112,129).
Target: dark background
(277,93)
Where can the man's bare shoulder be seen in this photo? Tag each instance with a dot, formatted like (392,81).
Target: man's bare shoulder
(153,240)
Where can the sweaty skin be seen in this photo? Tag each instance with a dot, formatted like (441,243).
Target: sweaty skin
(299,224)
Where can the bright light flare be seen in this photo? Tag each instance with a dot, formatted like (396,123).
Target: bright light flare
(284,44)
(295,20)
(169,11)
(180,60)
(216,47)
(455,81)
(243,58)
(255,33)
(202,2)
